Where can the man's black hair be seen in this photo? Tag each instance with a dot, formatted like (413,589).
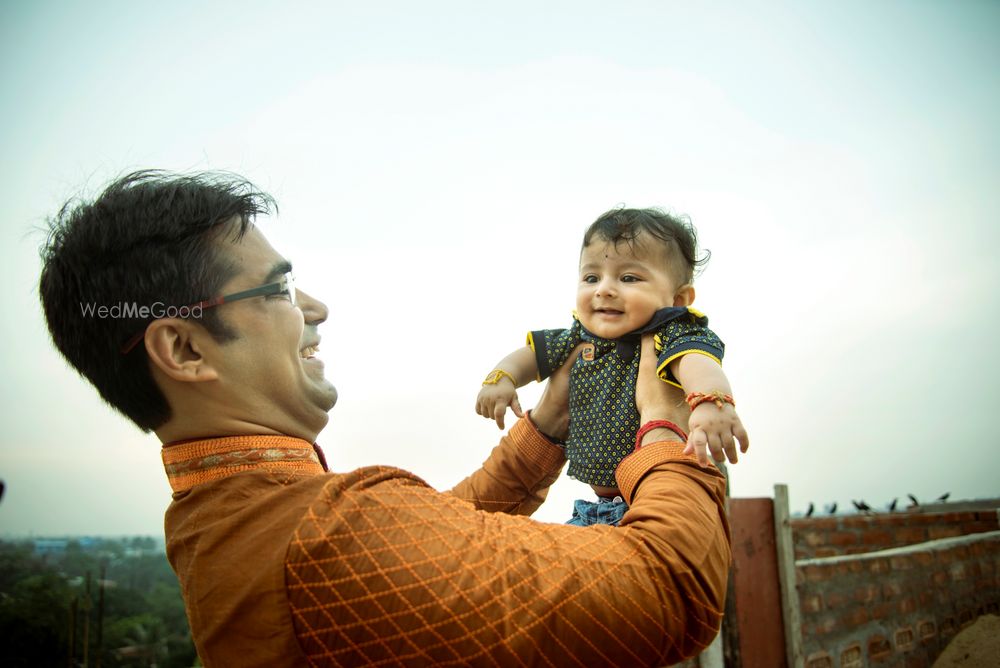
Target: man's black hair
(624,225)
(151,237)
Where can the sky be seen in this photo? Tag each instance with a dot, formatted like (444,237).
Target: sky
(435,167)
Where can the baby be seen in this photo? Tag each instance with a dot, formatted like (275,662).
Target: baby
(636,269)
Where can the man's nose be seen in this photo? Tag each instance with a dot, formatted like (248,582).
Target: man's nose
(313,309)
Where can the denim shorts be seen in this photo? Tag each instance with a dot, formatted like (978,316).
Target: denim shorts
(603,511)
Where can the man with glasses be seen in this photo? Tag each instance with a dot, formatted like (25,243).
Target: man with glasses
(283,563)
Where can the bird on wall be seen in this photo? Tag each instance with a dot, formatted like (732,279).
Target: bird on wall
(892,506)
(862,506)
(913,501)
(810,509)
(832,508)
(943,497)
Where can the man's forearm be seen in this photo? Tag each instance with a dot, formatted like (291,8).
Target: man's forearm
(517,475)
(414,576)
(679,509)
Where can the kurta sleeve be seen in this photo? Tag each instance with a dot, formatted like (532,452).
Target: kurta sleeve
(517,475)
(682,336)
(553,346)
(385,569)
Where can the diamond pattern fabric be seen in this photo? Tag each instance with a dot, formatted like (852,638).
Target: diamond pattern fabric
(380,569)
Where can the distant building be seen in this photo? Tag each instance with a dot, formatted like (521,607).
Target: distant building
(58,546)
(47,546)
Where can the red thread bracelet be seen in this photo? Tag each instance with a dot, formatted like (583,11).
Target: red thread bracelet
(696,399)
(658,424)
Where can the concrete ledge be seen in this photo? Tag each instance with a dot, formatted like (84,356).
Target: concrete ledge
(928,546)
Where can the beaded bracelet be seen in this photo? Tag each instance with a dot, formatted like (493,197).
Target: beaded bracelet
(696,399)
(658,424)
(494,377)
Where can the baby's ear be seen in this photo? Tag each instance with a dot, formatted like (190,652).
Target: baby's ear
(684,295)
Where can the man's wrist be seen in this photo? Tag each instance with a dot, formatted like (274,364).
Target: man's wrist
(659,430)
(542,427)
(678,416)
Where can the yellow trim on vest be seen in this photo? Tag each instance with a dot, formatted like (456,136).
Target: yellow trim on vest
(661,370)
(531,344)
(695,312)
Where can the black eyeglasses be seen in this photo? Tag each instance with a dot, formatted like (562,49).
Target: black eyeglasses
(284,286)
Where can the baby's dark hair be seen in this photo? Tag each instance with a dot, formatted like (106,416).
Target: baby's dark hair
(676,232)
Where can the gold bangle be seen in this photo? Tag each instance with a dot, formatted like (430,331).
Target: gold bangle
(494,377)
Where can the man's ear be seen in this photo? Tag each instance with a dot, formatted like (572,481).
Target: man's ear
(176,347)
(684,295)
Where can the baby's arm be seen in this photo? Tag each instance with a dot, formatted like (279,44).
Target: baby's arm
(500,387)
(711,427)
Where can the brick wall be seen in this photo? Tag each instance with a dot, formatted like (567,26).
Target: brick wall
(899,606)
(855,534)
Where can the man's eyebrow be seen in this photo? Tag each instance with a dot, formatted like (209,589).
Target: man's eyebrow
(279,269)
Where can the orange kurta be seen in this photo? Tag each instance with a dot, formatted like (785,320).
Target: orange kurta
(282,564)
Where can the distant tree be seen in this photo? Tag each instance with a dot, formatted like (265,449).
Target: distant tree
(143,609)
(112,548)
(142,572)
(140,640)
(123,602)
(17,561)
(76,561)
(166,603)
(34,621)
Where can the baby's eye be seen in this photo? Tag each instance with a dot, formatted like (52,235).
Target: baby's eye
(629,278)
(590,278)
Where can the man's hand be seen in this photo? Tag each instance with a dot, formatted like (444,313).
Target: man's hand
(551,414)
(494,399)
(656,400)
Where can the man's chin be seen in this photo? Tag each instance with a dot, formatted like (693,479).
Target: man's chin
(323,399)
(327,398)
(319,388)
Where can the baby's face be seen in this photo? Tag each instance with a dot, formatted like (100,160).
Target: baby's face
(621,288)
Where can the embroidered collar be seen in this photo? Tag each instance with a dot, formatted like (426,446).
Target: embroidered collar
(189,463)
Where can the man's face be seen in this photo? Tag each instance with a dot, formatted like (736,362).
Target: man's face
(271,367)
(622,287)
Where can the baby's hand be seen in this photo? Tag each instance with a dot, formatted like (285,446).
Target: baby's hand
(715,429)
(494,399)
